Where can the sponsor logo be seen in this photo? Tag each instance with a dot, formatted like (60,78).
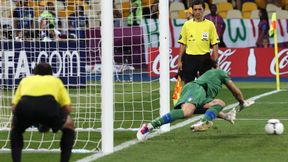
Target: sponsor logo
(15,65)
(223,62)
(283,63)
(173,63)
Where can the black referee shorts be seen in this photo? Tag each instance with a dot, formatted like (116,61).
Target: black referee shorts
(42,110)
(191,65)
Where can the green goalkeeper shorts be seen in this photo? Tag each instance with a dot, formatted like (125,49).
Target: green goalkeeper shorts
(193,93)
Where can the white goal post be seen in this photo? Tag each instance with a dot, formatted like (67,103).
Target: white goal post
(103,62)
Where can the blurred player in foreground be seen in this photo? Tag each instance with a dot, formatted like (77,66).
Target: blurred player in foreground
(198,95)
(42,99)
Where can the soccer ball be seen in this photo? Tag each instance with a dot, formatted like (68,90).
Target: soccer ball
(274,126)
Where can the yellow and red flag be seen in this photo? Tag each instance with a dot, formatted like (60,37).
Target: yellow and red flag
(273,31)
(273,24)
(177,90)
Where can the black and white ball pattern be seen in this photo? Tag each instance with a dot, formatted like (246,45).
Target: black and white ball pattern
(274,126)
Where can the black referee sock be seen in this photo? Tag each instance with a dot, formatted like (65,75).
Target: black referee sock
(16,139)
(66,144)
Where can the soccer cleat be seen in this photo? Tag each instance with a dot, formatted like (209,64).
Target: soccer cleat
(201,126)
(231,116)
(143,132)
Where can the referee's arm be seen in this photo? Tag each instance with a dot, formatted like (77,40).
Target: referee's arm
(214,39)
(182,41)
(215,51)
(181,53)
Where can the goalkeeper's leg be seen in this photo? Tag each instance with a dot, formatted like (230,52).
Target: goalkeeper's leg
(67,139)
(16,138)
(213,109)
(186,110)
(229,116)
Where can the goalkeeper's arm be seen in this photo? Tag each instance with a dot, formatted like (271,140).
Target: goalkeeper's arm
(238,95)
(236,92)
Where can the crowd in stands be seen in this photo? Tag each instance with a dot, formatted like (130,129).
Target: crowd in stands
(49,20)
(45,21)
(247,8)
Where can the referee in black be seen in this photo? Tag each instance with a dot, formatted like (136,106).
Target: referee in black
(42,99)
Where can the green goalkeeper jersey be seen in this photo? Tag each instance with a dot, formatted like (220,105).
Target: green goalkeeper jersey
(212,81)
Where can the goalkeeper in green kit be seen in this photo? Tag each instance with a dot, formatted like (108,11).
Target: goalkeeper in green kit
(199,97)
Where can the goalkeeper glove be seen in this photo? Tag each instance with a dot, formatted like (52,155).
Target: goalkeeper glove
(245,104)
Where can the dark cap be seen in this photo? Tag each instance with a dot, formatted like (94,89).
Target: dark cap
(43,69)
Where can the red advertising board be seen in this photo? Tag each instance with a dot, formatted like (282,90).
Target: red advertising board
(238,62)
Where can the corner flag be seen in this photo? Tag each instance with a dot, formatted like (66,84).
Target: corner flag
(273,24)
(177,90)
(273,31)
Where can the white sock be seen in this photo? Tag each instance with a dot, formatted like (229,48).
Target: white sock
(150,126)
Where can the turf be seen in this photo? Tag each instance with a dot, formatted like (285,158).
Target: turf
(244,141)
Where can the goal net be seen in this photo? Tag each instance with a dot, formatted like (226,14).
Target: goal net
(67,35)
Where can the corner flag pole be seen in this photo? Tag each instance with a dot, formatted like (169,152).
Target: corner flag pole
(273,30)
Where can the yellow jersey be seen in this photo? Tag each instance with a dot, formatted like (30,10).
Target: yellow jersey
(197,36)
(40,85)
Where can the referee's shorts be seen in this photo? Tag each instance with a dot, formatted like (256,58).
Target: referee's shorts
(192,64)
(43,110)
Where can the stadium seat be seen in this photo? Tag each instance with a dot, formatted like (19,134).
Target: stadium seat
(282,14)
(125,9)
(175,7)
(117,1)
(223,8)
(282,3)
(285,4)
(219,1)
(44,2)
(59,5)
(255,14)
(181,14)
(234,14)
(64,13)
(93,13)
(72,5)
(147,3)
(33,4)
(74,1)
(247,8)
(174,15)
(206,12)
(207,6)
(261,3)
(37,11)
(97,2)
(272,7)
(6,9)
(93,22)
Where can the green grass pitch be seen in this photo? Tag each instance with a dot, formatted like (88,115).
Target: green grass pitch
(243,141)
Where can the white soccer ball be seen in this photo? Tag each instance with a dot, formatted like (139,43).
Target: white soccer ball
(274,126)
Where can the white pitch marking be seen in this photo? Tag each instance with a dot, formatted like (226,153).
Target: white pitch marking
(257,119)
